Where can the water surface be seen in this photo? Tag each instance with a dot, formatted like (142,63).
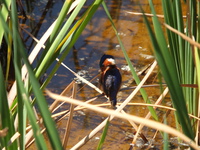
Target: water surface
(99,38)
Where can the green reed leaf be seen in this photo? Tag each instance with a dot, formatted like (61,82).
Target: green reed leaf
(6,119)
(103,136)
(168,70)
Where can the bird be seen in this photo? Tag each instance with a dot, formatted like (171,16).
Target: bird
(110,78)
(103,58)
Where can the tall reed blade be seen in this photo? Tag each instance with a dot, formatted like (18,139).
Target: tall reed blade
(168,70)
(19,57)
(4,11)
(103,136)
(6,119)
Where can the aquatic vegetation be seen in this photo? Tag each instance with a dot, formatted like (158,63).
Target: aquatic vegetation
(176,53)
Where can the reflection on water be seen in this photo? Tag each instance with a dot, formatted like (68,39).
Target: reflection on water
(98,38)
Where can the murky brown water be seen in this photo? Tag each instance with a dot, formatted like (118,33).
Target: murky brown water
(99,38)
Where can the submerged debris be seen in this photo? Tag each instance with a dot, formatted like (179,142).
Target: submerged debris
(125,68)
(84,74)
(142,145)
(147,56)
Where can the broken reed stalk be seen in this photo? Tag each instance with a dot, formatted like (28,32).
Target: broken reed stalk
(190,40)
(148,14)
(29,134)
(64,92)
(52,109)
(66,113)
(166,114)
(112,113)
(136,128)
(12,139)
(119,108)
(69,122)
(159,100)
(81,78)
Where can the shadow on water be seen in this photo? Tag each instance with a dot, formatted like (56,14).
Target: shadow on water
(96,39)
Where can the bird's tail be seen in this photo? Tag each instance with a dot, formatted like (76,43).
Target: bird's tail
(113,98)
(113,102)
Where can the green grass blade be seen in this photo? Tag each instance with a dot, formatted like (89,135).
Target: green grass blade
(43,107)
(13,24)
(61,17)
(20,55)
(173,17)
(168,70)
(166,137)
(181,50)
(51,40)
(4,11)
(40,142)
(5,115)
(191,31)
(21,91)
(103,136)
(9,52)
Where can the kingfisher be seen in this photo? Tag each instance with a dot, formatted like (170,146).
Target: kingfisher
(110,78)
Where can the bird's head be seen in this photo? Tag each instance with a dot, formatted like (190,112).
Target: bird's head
(103,58)
(109,62)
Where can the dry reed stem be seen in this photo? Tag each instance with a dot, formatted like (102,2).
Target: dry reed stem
(143,70)
(12,139)
(64,92)
(119,108)
(144,86)
(198,112)
(29,143)
(197,125)
(148,14)
(159,100)
(81,78)
(52,108)
(154,136)
(191,41)
(112,113)
(66,113)
(69,122)
(29,135)
(136,128)
(166,114)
